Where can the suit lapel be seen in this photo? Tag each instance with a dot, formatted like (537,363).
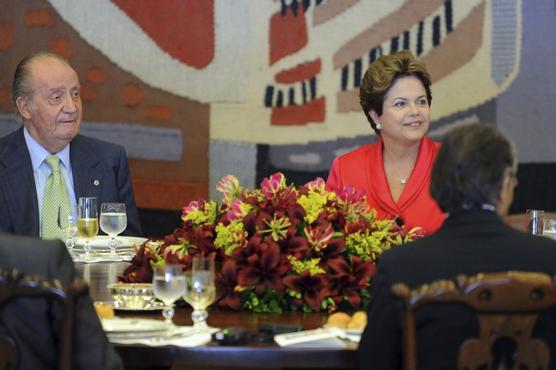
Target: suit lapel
(86,168)
(18,185)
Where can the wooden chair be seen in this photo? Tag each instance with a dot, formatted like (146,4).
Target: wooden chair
(507,306)
(13,285)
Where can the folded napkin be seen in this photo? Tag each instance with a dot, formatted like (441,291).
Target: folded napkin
(181,336)
(102,257)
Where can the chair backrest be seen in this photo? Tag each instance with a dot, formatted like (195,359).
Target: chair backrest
(13,285)
(507,305)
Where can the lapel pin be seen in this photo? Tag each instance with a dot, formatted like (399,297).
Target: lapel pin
(96,182)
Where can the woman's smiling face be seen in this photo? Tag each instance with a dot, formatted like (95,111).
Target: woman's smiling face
(405,111)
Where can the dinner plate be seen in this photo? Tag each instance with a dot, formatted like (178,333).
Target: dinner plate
(124,325)
(101,241)
(156,306)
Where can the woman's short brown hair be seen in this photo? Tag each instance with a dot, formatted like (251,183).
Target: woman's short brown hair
(382,74)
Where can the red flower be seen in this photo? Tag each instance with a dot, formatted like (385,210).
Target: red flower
(226,282)
(313,288)
(348,280)
(264,268)
(139,270)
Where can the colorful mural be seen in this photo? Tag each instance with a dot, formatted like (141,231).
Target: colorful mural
(198,89)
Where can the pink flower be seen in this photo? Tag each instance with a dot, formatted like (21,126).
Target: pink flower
(318,237)
(272,185)
(230,188)
(238,210)
(317,184)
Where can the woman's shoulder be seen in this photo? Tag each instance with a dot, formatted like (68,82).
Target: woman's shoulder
(432,143)
(357,154)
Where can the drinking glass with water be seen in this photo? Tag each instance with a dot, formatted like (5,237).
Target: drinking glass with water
(113,221)
(168,286)
(549,228)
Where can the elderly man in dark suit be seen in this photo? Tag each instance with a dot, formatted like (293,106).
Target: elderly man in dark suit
(34,323)
(46,94)
(473,182)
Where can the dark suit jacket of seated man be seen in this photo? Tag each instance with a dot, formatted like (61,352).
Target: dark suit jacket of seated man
(35,323)
(100,170)
(471,241)
(46,94)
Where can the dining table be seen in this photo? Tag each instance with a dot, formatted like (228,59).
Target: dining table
(256,353)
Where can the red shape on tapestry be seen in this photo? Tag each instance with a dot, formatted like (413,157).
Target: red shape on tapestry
(183,29)
(298,73)
(288,34)
(297,115)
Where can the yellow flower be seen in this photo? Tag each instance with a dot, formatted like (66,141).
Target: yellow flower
(231,236)
(311,265)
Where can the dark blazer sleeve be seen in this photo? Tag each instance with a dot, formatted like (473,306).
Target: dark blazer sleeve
(91,347)
(380,346)
(23,318)
(126,196)
(101,169)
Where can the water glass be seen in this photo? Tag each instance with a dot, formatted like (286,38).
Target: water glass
(168,286)
(87,221)
(113,221)
(534,221)
(200,290)
(549,228)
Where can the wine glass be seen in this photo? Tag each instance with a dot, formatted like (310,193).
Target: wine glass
(87,222)
(67,221)
(113,221)
(549,228)
(168,286)
(200,291)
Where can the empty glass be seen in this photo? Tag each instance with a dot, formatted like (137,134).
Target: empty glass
(67,221)
(200,291)
(87,222)
(168,286)
(113,221)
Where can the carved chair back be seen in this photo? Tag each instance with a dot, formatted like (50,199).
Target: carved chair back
(507,306)
(13,285)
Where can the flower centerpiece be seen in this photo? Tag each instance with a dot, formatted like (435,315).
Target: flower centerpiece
(278,247)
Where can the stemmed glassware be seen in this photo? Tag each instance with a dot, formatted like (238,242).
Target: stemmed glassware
(200,290)
(87,222)
(549,228)
(113,221)
(168,286)
(67,221)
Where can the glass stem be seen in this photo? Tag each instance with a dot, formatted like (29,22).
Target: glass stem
(199,318)
(168,313)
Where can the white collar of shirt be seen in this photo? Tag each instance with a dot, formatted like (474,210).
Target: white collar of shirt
(38,153)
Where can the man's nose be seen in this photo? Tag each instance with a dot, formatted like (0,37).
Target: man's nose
(70,103)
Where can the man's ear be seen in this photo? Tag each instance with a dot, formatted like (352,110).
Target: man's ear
(374,116)
(23,107)
(506,196)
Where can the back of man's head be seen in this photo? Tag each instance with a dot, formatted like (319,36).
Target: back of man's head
(470,168)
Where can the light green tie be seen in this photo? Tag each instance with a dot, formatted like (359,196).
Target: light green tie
(55,201)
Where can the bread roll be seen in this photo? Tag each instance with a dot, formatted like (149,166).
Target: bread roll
(338,319)
(358,321)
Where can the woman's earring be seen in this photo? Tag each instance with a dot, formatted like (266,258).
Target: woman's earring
(378,126)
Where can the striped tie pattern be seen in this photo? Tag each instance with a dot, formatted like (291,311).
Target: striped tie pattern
(55,201)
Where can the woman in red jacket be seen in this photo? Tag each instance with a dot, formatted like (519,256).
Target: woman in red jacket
(395,170)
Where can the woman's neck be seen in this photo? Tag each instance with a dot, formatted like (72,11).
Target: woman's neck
(398,161)
(401,153)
